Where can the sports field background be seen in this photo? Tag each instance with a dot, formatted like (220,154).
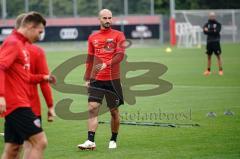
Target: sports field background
(216,138)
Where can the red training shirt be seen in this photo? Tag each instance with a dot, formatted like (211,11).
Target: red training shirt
(15,74)
(105,46)
(39,65)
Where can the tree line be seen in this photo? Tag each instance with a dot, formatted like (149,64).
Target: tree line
(65,8)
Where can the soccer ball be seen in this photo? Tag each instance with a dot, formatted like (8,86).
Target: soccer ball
(168,50)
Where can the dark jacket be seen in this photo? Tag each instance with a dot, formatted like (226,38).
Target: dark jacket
(213,33)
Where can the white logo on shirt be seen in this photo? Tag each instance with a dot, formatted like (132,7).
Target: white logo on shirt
(26,66)
(109,40)
(95,43)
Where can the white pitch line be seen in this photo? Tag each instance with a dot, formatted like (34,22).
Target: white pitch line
(1,134)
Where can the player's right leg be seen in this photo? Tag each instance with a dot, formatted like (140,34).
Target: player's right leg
(11,151)
(209,53)
(96,94)
(209,61)
(12,139)
(93,109)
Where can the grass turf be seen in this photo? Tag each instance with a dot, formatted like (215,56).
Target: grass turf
(193,95)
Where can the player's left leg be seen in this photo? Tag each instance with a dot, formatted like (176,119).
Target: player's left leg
(114,99)
(209,61)
(218,51)
(18,156)
(219,60)
(27,146)
(115,123)
(38,145)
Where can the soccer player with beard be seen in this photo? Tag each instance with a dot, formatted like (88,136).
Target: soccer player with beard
(105,52)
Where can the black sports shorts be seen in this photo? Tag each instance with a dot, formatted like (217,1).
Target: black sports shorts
(112,90)
(20,125)
(213,47)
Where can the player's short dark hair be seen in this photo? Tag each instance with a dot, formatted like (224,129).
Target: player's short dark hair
(19,20)
(33,17)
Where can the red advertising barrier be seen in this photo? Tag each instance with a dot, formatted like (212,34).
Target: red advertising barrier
(172,31)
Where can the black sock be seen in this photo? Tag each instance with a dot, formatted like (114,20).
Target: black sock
(220,68)
(91,135)
(114,136)
(209,69)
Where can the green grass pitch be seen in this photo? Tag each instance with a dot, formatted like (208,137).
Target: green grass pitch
(193,95)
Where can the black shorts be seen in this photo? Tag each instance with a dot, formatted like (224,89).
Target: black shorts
(112,90)
(20,125)
(213,47)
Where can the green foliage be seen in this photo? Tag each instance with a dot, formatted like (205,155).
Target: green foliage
(161,6)
(63,8)
(139,7)
(14,8)
(87,7)
(116,6)
(39,6)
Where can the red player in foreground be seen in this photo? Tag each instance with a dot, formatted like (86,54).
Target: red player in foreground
(21,124)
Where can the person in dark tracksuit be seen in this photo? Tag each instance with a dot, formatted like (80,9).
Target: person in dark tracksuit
(212,29)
